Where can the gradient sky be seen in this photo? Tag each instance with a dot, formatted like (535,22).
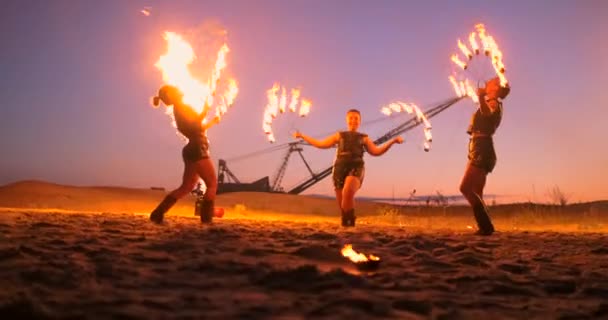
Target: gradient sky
(76,78)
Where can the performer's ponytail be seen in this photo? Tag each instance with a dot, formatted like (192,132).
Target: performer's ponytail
(155,101)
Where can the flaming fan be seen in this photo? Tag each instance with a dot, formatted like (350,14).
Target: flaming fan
(411,108)
(362,261)
(278,105)
(217,94)
(474,66)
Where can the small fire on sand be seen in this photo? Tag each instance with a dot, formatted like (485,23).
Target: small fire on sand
(362,261)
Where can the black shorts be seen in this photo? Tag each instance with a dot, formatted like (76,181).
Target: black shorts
(194,152)
(341,170)
(482,154)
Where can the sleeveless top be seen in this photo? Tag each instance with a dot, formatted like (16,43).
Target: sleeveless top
(189,124)
(350,146)
(485,124)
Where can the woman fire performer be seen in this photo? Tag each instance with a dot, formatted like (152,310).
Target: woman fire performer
(482,157)
(349,167)
(195,154)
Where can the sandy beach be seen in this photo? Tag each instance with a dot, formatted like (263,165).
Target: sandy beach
(62,262)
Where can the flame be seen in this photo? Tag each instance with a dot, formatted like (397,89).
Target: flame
(305,107)
(465,50)
(283,101)
(233,91)
(459,62)
(473,42)
(420,116)
(471,91)
(456,86)
(295,95)
(278,105)
(356,257)
(174,66)
(490,48)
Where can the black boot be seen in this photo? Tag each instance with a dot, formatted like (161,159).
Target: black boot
(348,218)
(207,211)
(157,215)
(483,219)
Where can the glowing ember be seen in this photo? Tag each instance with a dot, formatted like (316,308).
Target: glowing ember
(278,105)
(411,108)
(175,64)
(146,11)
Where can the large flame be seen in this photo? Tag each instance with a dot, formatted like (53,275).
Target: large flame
(356,257)
(175,67)
(278,105)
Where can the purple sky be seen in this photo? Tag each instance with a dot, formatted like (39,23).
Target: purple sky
(76,78)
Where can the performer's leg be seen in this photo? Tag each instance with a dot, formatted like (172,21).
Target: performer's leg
(471,188)
(351,185)
(206,171)
(339,197)
(189,179)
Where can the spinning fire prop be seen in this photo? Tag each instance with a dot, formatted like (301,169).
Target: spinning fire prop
(174,65)
(278,105)
(362,261)
(462,86)
(420,117)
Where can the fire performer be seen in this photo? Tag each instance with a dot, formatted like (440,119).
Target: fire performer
(195,154)
(349,167)
(482,157)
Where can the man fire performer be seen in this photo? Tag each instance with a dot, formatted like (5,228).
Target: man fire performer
(195,154)
(482,157)
(349,168)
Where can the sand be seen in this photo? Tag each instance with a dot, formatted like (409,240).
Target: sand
(62,261)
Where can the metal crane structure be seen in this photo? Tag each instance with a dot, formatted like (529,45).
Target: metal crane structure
(263,184)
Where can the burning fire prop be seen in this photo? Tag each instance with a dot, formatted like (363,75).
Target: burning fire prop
(463,87)
(278,105)
(362,262)
(215,93)
(410,109)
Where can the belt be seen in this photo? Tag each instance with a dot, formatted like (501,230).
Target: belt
(480,135)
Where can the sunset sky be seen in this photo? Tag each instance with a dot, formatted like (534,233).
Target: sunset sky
(76,78)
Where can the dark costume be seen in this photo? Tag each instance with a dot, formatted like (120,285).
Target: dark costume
(189,123)
(349,162)
(349,158)
(481,146)
(482,155)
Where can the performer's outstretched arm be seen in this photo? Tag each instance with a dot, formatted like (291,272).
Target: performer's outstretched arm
(375,150)
(323,144)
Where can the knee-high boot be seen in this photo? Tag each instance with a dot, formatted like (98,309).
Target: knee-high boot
(207,211)
(158,214)
(482,218)
(348,218)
